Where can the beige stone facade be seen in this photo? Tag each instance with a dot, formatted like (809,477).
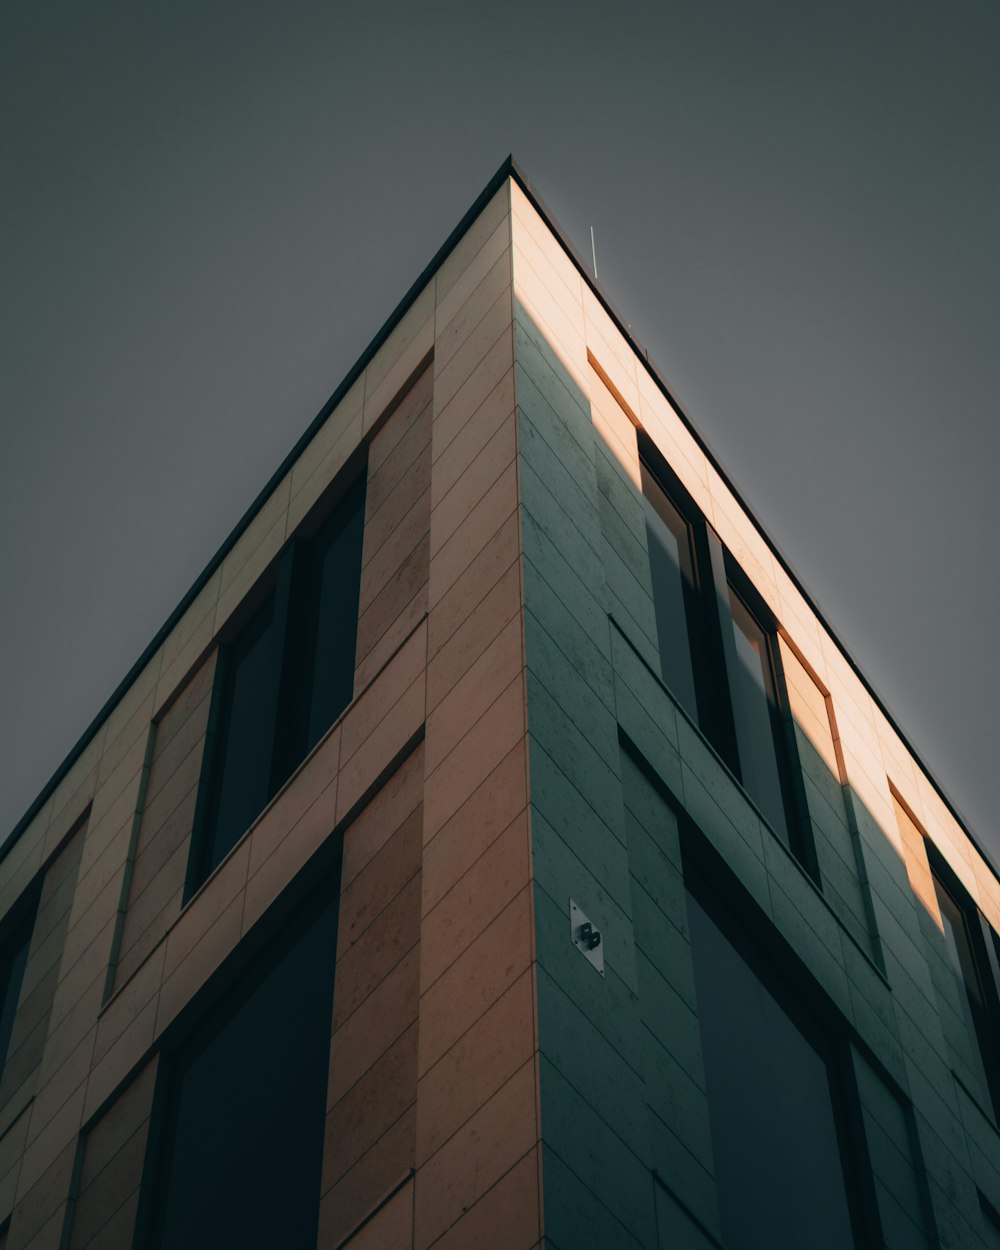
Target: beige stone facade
(486,771)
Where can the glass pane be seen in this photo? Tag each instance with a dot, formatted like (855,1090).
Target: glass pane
(774,1138)
(246,747)
(754,712)
(335,594)
(247,1112)
(671,569)
(970,995)
(15,958)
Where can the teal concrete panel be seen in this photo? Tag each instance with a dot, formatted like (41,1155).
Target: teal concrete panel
(723,788)
(879,851)
(943,1143)
(866,980)
(668,1017)
(883,1038)
(902,946)
(591,1065)
(676,1099)
(560,803)
(984,1146)
(654,870)
(575,458)
(608,1002)
(664,944)
(596,1155)
(650,809)
(577,503)
(633,606)
(642,637)
(573,649)
(541,363)
(825,964)
(644,684)
(560,526)
(955,1231)
(628,540)
(682,1173)
(898,1228)
(785,871)
(677,1229)
(894,895)
(593,771)
(894,1158)
(745,858)
(549,579)
(576,1217)
(816,770)
(615,484)
(563,871)
(843,894)
(572,686)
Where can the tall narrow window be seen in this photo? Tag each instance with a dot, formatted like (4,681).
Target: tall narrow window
(249,676)
(777,1144)
(759,732)
(965,940)
(282,681)
(13,961)
(673,573)
(240,1157)
(717,653)
(334,587)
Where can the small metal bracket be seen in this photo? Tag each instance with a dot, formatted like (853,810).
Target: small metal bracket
(586,937)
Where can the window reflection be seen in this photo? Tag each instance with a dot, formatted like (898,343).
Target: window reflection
(242,1143)
(671,567)
(249,702)
(283,680)
(970,992)
(755,713)
(771,1107)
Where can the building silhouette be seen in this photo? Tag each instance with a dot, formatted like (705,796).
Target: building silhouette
(496,849)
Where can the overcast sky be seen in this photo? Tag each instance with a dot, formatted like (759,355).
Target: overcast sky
(209,209)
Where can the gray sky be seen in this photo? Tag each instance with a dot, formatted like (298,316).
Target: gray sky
(208,210)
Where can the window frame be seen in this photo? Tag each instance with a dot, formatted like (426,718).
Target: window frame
(790,984)
(291,579)
(796,809)
(218,1001)
(982,943)
(18,924)
(715,720)
(714,660)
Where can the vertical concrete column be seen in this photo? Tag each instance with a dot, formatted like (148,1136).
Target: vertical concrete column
(477,1180)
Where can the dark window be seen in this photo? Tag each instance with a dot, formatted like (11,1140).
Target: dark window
(718,651)
(675,593)
(966,936)
(240,1156)
(332,621)
(249,683)
(759,731)
(773,1105)
(13,960)
(281,681)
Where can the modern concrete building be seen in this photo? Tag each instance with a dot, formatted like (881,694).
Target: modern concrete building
(496,849)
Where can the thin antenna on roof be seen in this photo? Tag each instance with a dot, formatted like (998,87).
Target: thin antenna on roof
(593,251)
